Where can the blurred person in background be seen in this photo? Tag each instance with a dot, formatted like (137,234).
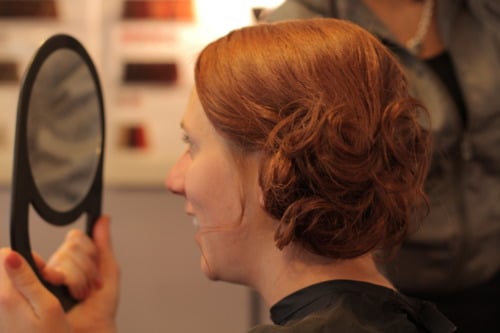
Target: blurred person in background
(450,50)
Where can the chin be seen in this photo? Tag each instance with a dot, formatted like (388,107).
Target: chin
(205,268)
(213,275)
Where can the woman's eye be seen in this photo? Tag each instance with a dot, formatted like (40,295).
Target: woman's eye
(187,140)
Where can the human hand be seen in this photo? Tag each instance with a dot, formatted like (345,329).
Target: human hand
(74,264)
(25,305)
(97,312)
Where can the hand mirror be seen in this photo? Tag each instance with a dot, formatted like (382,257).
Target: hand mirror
(59,145)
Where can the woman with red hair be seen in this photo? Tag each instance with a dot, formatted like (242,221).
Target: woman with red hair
(304,168)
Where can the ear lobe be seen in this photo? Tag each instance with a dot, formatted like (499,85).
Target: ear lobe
(261,198)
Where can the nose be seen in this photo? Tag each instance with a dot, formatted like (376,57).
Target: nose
(176,177)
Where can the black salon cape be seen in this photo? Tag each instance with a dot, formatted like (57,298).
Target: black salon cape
(353,307)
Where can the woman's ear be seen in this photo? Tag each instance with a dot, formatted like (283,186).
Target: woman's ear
(261,198)
(255,162)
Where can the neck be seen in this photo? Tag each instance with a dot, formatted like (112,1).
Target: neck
(295,269)
(412,23)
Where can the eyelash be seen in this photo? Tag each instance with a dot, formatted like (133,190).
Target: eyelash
(186,139)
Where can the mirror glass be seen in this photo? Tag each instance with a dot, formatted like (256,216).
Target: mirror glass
(64,130)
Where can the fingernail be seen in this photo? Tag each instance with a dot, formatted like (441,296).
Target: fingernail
(85,293)
(13,260)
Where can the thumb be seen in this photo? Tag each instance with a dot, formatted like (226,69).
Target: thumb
(50,274)
(27,283)
(108,266)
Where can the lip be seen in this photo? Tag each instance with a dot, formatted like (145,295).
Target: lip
(194,220)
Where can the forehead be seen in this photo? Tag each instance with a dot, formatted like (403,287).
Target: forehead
(196,124)
(193,114)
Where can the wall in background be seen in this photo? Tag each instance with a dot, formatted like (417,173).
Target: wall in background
(144,51)
(163,289)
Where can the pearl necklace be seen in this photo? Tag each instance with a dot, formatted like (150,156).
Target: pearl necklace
(414,44)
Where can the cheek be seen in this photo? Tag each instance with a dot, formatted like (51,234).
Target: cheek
(214,194)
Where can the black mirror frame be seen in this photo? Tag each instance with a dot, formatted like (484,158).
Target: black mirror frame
(24,189)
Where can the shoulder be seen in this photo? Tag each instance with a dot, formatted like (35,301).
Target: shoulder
(337,320)
(344,318)
(488,13)
(366,309)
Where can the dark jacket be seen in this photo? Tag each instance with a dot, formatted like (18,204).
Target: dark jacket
(353,307)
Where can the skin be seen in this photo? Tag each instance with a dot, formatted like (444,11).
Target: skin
(218,198)
(404,25)
(76,269)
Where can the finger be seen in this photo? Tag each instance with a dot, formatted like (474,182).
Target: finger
(77,260)
(77,239)
(108,266)
(14,308)
(50,274)
(39,261)
(78,279)
(25,281)
(85,255)
(102,239)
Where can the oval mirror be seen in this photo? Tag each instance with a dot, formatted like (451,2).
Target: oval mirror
(64,130)
(58,156)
